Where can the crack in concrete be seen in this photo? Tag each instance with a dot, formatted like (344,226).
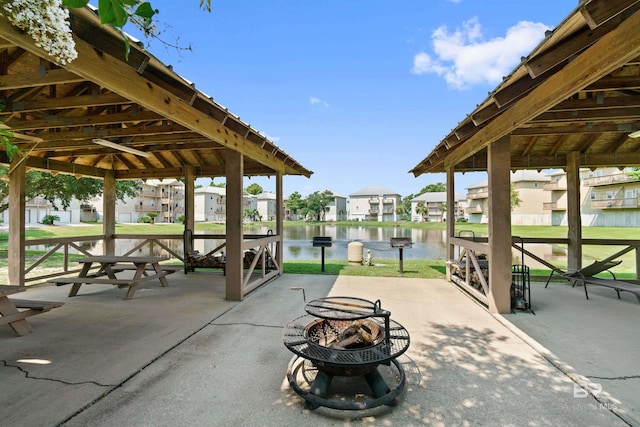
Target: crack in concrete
(28,375)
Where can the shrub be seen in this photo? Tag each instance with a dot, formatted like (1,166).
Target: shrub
(48,219)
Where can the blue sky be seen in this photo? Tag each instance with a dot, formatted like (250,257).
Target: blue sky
(358,91)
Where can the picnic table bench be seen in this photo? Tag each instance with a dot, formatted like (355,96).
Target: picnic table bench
(15,311)
(145,269)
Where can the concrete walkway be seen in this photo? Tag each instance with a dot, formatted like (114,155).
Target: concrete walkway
(183,355)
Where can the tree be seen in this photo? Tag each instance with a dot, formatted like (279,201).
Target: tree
(422,209)
(440,187)
(153,216)
(295,203)
(515,197)
(251,214)
(634,174)
(254,189)
(318,204)
(221,185)
(404,208)
(60,189)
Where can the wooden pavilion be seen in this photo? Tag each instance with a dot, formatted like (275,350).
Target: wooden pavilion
(111,117)
(573,102)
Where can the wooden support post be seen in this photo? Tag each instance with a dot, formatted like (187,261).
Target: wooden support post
(451,214)
(279,255)
(499,163)
(189,192)
(16,250)
(234,267)
(109,213)
(574,259)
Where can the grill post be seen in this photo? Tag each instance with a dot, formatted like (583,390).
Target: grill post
(401,243)
(322,242)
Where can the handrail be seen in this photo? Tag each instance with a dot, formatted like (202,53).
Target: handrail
(263,244)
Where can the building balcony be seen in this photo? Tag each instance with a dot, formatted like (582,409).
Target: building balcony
(374,211)
(387,210)
(616,178)
(554,206)
(374,200)
(555,186)
(388,201)
(475,209)
(145,209)
(478,195)
(615,203)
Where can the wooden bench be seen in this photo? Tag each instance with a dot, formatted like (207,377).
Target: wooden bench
(170,269)
(15,311)
(120,283)
(108,265)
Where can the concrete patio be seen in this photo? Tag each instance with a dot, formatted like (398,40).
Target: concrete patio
(182,355)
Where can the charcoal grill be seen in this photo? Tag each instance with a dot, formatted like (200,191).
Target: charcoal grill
(317,340)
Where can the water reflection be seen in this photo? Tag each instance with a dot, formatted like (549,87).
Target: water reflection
(427,244)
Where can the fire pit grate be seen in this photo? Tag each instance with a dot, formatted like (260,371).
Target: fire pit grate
(309,345)
(346,337)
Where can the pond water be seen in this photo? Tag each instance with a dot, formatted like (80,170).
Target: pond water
(427,244)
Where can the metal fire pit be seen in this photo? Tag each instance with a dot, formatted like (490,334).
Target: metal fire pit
(312,338)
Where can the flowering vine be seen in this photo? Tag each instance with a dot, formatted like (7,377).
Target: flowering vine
(47,22)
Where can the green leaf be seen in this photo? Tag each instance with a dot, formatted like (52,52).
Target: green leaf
(113,12)
(127,44)
(145,10)
(74,4)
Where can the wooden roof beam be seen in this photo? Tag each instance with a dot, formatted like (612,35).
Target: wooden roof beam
(615,146)
(42,78)
(591,139)
(67,102)
(53,122)
(598,12)
(577,128)
(600,114)
(567,48)
(598,102)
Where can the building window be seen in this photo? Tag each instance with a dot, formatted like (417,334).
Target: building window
(592,196)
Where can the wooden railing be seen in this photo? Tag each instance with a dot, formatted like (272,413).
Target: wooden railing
(266,248)
(470,248)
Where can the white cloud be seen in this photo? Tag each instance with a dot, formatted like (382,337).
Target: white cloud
(317,101)
(464,58)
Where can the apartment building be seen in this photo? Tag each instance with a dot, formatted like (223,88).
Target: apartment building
(374,203)
(164,197)
(266,206)
(210,204)
(337,209)
(611,198)
(528,185)
(435,207)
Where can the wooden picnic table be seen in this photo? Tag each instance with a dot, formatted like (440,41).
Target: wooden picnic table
(15,311)
(145,269)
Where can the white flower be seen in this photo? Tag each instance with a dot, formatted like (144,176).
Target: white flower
(47,22)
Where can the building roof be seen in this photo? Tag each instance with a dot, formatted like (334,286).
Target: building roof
(135,104)
(576,94)
(221,191)
(375,190)
(437,197)
(529,175)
